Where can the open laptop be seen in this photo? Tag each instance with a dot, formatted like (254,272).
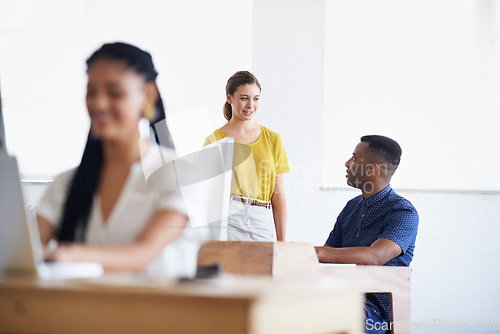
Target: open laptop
(20,245)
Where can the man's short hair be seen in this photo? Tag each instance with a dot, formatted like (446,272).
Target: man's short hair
(384,148)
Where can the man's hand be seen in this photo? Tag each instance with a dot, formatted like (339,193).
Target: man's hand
(321,252)
(379,253)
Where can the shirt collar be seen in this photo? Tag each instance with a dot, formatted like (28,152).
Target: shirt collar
(378,196)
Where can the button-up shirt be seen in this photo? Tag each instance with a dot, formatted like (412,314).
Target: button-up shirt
(382,215)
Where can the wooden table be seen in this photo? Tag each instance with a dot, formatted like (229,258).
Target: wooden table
(285,260)
(396,281)
(129,304)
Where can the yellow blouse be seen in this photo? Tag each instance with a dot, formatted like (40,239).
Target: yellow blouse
(256,165)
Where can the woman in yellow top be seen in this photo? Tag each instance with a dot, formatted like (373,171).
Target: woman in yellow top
(258,195)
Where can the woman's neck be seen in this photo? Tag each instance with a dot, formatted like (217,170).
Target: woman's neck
(126,152)
(244,132)
(239,126)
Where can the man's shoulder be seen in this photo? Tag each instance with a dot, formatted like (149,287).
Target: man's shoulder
(397,201)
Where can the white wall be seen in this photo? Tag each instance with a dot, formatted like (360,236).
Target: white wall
(196,45)
(457,258)
(288,39)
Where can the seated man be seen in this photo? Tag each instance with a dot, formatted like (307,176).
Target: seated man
(378,227)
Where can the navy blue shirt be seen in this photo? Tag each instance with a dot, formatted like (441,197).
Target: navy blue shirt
(383,215)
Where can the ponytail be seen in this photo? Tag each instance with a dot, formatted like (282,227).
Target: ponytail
(227,111)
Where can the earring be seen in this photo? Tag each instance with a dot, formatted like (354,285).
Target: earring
(148,111)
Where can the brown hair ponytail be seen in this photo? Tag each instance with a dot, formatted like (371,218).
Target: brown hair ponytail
(237,79)
(227,110)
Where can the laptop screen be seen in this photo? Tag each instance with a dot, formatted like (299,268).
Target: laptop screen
(16,252)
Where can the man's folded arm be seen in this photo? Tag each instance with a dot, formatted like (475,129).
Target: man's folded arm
(378,253)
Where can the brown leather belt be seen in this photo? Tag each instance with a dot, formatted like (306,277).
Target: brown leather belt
(251,201)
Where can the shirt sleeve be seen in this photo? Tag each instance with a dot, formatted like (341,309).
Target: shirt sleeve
(210,139)
(52,203)
(281,158)
(207,142)
(402,228)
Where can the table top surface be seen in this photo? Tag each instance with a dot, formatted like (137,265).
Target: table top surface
(223,286)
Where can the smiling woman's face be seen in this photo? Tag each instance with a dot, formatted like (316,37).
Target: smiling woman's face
(116,97)
(245,101)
